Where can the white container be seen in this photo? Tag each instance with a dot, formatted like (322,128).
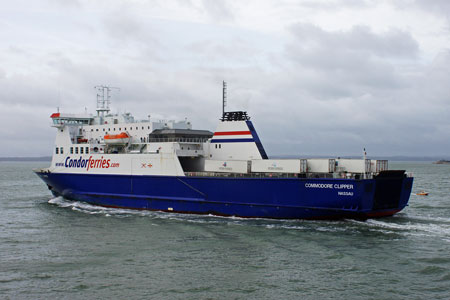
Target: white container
(276,166)
(227,166)
(354,165)
(321,165)
(303,165)
(378,165)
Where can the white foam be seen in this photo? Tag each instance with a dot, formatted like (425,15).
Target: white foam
(400,224)
(440,229)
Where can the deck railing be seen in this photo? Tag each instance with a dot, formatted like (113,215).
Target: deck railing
(178,140)
(278,175)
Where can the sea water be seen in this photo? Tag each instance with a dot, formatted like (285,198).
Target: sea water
(53,248)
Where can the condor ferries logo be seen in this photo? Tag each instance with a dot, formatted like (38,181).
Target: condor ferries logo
(224,167)
(89,163)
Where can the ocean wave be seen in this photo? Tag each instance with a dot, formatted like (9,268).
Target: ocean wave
(92,209)
(411,227)
(399,224)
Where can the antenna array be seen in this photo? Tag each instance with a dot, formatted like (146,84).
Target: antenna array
(103,99)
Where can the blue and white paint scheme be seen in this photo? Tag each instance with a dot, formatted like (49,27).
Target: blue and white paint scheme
(168,166)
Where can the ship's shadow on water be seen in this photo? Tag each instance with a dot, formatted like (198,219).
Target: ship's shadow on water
(398,226)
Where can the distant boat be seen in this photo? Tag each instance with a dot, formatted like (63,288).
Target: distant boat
(422,193)
(442,162)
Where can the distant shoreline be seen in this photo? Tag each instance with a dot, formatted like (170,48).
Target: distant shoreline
(40,158)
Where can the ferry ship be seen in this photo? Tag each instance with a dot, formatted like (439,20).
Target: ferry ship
(114,160)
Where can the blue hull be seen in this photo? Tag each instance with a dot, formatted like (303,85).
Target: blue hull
(282,198)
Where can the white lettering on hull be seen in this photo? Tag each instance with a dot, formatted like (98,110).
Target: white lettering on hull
(331,186)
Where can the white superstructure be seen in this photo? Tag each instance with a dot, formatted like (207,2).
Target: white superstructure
(108,143)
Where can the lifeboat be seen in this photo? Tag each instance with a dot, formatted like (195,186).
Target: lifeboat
(422,193)
(117,139)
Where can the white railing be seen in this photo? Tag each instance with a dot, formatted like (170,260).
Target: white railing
(178,140)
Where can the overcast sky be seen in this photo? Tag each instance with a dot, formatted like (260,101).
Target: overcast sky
(317,77)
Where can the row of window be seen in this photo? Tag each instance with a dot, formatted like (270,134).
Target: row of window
(120,128)
(76,150)
(220,146)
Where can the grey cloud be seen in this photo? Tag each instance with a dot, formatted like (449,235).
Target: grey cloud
(26,90)
(124,27)
(437,8)
(360,39)
(348,64)
(440,7)
(337,4)
(66,3)
(349,90)
(218,10)
(235,49)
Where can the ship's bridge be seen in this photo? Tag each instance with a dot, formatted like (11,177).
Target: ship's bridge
(60,119)
(189,142)
(179,135)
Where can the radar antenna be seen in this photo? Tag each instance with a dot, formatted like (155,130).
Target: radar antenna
(103,99)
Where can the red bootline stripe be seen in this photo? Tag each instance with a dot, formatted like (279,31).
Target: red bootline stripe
(233,133)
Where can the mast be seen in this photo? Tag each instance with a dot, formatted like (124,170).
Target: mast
(364,159)
(224,98)
(103,100)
